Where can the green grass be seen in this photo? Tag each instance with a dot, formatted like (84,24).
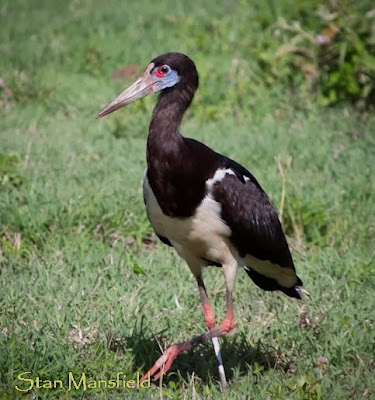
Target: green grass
(84,285)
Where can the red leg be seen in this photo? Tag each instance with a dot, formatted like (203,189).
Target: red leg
(165,361)
(209,314)
(228,323)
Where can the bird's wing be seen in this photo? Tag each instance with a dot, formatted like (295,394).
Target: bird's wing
(256,231)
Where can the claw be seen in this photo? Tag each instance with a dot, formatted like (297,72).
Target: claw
(163,363)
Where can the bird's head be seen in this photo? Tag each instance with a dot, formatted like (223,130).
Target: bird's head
(164,73)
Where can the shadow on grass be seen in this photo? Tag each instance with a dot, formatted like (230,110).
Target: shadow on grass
(238,356)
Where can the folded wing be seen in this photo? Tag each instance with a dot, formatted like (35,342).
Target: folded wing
(256,230)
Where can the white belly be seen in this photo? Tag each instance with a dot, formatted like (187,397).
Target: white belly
(203,235)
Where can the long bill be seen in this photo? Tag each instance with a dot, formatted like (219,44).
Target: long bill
(142,87)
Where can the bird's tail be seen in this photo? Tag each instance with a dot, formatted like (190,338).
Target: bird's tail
(270,284)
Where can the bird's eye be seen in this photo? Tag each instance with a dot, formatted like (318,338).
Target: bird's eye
(162,71)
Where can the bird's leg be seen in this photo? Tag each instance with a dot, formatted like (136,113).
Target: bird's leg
(164,362)
(230,271)
(209,314)
(228,322)
(209,317)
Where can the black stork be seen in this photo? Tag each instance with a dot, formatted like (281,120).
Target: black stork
(208,207)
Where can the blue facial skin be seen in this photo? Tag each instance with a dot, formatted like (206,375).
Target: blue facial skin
(169,80)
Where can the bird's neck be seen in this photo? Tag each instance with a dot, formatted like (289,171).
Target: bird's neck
(164,139)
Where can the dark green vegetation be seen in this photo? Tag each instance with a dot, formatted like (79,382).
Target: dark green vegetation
(84,285)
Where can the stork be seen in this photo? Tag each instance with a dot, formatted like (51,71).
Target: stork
(209,208)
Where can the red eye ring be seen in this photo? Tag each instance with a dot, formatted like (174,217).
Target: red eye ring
(161,71)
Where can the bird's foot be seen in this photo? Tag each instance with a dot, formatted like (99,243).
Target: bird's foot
(163,363)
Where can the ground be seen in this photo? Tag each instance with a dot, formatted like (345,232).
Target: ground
(84,284)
